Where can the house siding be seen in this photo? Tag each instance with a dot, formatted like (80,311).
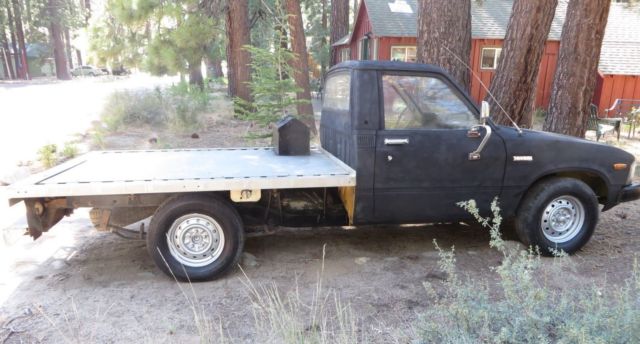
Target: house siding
(613,87)
(608,88)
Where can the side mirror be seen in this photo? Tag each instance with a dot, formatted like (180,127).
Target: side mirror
(484,112)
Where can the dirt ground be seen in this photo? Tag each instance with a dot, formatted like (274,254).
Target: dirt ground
(82,286)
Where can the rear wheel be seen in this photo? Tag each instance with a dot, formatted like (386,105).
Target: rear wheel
(195,237)
(558,214)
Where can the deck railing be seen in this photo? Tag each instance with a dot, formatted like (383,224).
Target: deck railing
(622,107)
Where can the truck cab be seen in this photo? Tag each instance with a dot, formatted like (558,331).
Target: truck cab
(419,146)
(408,131)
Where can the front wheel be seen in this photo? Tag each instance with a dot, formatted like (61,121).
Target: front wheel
(195,237)
(558,214)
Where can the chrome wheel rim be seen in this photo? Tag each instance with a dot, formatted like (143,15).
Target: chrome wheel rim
(195,240)
(562,219)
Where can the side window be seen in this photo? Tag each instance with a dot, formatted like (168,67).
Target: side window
(422,102)
(337,92)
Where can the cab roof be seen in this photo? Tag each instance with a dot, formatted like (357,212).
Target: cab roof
(395,66)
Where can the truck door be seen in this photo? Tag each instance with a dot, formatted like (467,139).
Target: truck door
(422,163)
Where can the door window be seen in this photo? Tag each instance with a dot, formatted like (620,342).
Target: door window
(422,102)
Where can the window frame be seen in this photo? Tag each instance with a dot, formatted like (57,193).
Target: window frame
(475,111)
(406,51)
(345,52)
(495,57)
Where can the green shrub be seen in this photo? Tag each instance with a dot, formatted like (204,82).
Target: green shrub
(70,150)
(124,108)
(521,308)
(97,138)
(186,106)
(48,155)
(180,107)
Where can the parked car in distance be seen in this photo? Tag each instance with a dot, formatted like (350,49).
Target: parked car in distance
(105,70)
(121,70)
(87,70)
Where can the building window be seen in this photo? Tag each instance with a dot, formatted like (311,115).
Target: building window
(404,54)
(345,54)
(489,58)
(363,49)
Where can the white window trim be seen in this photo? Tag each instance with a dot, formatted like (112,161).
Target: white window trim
(406,53)
(345,54)
(375,49)
(495,58)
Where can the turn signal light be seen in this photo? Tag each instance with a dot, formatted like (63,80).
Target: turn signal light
(620,167)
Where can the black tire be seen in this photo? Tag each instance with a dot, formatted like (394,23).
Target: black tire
(225,217)
(549,193)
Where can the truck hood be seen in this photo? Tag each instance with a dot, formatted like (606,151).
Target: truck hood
(556,152)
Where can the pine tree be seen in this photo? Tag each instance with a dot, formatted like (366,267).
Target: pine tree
(444,36)
(575,78)
(514,84)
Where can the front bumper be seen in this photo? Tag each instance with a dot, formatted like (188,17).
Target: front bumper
(630,193)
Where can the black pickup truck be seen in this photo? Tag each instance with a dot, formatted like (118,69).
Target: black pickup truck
(400,143)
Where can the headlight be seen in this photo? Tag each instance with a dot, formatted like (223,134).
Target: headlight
(632,172)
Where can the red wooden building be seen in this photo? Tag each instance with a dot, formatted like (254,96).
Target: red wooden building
(386,30)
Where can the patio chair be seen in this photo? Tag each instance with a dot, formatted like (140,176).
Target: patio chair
(602,125)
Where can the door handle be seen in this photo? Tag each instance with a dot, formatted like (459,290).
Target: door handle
(396,142)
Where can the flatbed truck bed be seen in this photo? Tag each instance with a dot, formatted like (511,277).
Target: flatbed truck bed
(183,170)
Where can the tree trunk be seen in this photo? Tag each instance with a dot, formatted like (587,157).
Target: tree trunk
(79,57)
(444,36)
(23,72)
(514,84)
(67,43)
(57,41)
(575,78)
(214,66)
(300,63)
(355,10)
(323,40)
(195,75)
(14,43)
(87,16)
(339,26)
(6,55)
(238,58)
(217,69)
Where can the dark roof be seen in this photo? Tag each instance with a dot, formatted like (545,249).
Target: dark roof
(398,18)
(343,40)
(621,48)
